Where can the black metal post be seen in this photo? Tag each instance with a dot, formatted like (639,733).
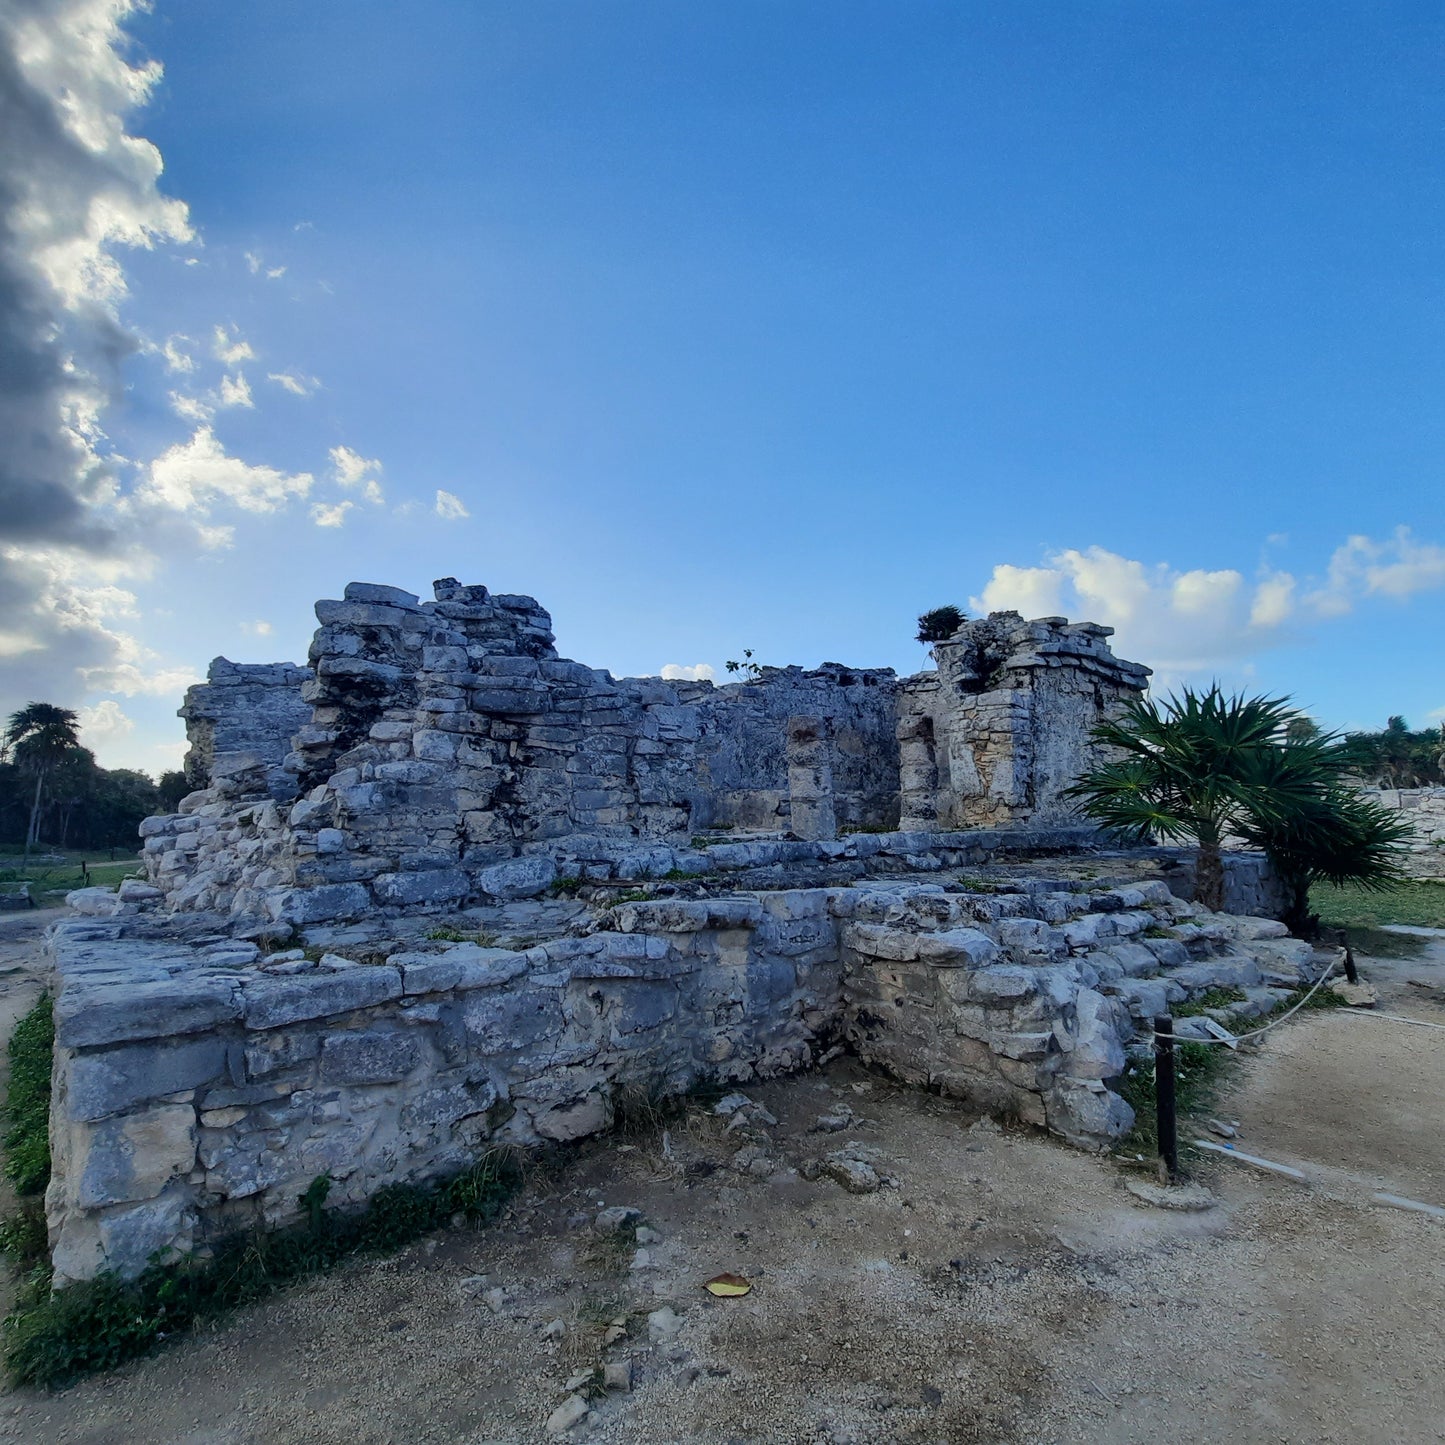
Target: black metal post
(1164,1094)
(1351,972)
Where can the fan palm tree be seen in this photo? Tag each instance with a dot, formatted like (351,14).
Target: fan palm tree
(1203,766)
(39,738)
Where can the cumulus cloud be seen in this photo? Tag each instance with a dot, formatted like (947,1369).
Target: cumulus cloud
(1187,623)
(325,516)
(76,188)
(103,724)
(450,507)
(683,672)
(194,475)
(1396,567)
(73,187)
(257,629)
(192,408)
(64,628)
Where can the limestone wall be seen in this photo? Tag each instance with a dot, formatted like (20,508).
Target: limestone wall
(1425,810)
(994,737)
(448,756)
(199,1090)
(742,749)
(201,1085)
(252,708)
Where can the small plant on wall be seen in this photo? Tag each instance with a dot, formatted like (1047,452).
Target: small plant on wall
(749,669)
(940,624)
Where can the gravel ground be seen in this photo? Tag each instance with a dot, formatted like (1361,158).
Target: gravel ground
(1000,1289)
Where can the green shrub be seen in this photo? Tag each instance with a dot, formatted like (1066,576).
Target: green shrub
(27,1103)
(53,1339)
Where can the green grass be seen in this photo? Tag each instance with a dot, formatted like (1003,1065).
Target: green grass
(53,1339)
(1199,1072)
(50,882)
(27,1101)
(1419,904)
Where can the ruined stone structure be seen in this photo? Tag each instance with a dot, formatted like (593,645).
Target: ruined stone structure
(994,737)
(1424,808)
(244,708)
(656,883)
(449,755)
(201,1084)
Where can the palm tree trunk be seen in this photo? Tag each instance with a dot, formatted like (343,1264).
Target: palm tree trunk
(1298,918)
(32,833)
(1209,874)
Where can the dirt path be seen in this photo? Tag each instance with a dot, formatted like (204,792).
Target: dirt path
(1006,1290)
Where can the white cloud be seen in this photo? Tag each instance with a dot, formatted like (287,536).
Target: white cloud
(236,391)
(193,475)
(450,507)
(230,347)
(176,357)
(1273,600)
(60,635)
(104,723)
(257,629)
(325,516)
(1397,567)
(351,469)
(694,672)
(296,385)
(193,408)
(1187,623)
(257,266)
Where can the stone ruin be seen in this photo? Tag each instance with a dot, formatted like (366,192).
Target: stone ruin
(443,889)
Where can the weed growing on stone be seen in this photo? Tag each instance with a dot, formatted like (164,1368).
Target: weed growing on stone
(53,1339)
(27,1104)
(567,887)
(1211,998)
(447,934)
(633,895)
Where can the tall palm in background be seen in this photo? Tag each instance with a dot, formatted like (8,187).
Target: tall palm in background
(1203,767)
(40,738)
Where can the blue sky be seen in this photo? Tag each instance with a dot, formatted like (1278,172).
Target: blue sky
(756,325)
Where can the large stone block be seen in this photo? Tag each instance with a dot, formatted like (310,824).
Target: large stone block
(462,968)
(327,903)
(958,948)
(369,1056)
(112,1080)
(162,1227)
(89,1016)
(426,886)
(271,1002)
(517,878)
(499,1023)
(134,1156)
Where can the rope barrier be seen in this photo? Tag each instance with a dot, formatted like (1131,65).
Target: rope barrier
(1255,1033)
(1396,1018)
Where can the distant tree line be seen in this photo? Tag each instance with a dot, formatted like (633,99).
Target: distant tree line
(1396,756)
(53,794)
